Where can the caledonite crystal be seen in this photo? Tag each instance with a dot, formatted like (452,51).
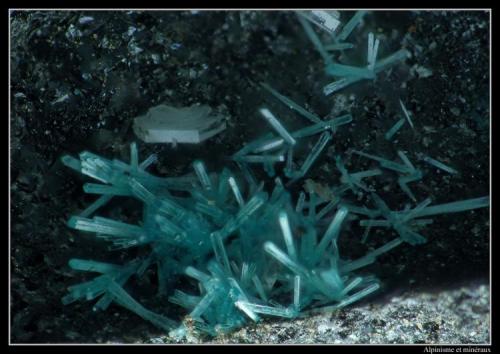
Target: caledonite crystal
(254,247)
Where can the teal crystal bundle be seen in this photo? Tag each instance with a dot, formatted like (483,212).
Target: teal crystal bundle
(254,246)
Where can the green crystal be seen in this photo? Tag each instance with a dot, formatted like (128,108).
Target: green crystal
(339,46)
(439,165)
(277,126)
(349,71)
(292,105)
(395,128)
(350,25)
(313,37)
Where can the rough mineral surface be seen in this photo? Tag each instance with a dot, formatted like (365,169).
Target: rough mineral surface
(458,316)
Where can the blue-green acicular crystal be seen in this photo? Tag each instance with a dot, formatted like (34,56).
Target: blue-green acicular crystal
(339,46)
(439,164)
(292,105)
(351,24)
(276,124)
(406,113)
(246,242)
(394,129)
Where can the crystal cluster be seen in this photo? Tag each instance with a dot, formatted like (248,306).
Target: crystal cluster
(253,246)
(346,74)
(253,252)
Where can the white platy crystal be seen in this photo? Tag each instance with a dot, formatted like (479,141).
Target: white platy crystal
(166,124)
(85,19)
(327,20)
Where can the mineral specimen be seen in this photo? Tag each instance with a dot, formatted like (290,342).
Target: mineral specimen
(250,246)
(166,124)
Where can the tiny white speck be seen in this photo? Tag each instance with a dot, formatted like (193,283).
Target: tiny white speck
(85,19)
